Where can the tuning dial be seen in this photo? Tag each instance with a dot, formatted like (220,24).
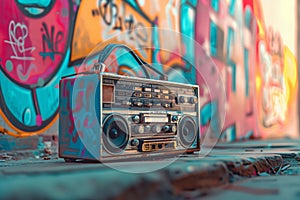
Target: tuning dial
(136,119)
(166,128)
(139,129)
(183,99)
(156,129)
(193,100)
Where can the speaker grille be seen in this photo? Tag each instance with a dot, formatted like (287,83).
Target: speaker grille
(187,131)
(115,133)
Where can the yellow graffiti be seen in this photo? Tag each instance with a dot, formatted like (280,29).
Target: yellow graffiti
(290,74)
(110,19)
(19,133)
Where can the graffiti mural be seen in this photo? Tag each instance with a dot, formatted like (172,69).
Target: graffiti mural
(98,21)
(229,38)
(276,83)
(41,41)
(34,55)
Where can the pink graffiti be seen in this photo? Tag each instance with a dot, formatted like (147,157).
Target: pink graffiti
(83,105)
(39,120)
(34,47)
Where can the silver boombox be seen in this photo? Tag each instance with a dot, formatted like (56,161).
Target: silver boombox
(107,117)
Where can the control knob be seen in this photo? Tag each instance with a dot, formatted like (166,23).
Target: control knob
(173,128)
(166,128)
(193,100)
(136,119)
(139,129)
(174,118)
(134,142)
(156,129)
(183,99)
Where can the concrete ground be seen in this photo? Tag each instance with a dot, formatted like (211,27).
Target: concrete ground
(251,169)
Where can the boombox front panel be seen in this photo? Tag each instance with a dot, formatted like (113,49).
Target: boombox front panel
(138,118)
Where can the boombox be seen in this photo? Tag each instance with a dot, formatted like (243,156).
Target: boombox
(108,117)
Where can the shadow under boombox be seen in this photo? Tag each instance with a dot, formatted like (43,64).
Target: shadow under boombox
(107,117)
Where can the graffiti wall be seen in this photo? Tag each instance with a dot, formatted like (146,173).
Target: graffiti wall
(41,41)
(35,38)
(228,35)
(276,74)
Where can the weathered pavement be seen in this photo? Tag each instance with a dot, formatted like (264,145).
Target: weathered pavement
(252,169)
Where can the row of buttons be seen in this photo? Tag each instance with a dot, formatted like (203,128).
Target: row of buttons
(166,104)
(145,88)
(135,86)
(150,103)
(150,89)
(180,99)
(138,102)
(185,99)
(140,129)
(152,95)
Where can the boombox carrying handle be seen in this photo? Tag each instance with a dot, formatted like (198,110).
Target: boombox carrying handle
(110,47)
(99,67)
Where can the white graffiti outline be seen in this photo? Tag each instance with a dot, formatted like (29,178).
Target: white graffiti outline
(17,43)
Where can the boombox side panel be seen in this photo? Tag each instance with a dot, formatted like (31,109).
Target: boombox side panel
(197,142)
(79,127)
